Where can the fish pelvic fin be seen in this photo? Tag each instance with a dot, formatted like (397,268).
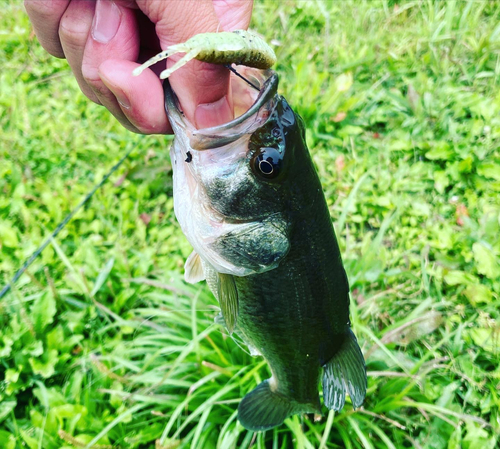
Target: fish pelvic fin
(262,408)
(345,373)
(193,269)
(228,300)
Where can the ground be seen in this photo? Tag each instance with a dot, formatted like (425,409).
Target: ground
(102,344)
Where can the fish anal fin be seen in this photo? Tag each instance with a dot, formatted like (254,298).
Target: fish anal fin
(345,373)
(228,300)
(193,269)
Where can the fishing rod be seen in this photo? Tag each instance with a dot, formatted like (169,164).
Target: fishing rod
(60,227)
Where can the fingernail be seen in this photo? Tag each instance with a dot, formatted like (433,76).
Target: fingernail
(106,21)
(123,101)
(213,114)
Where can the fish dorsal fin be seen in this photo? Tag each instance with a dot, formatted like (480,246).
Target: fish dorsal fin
(345,373)
(193,269)
(228,299)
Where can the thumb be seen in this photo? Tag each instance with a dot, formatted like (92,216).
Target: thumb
(202,89)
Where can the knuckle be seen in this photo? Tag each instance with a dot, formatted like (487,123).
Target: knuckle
(91,75)
(94,82)
(39,8)
(96,85)
(73,31)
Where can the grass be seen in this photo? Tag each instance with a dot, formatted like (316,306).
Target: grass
(103,345)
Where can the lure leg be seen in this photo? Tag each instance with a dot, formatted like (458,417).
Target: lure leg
(157,58)
(181,62)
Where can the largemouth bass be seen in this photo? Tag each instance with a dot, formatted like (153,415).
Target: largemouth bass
(249,200)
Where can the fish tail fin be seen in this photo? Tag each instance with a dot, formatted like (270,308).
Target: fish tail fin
(345,373)
(263,408)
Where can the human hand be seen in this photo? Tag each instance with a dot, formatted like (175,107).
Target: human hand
(104,40)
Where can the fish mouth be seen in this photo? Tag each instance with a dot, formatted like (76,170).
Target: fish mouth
(217,136)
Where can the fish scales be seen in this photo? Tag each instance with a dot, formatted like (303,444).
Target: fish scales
(288,336)
(251,204)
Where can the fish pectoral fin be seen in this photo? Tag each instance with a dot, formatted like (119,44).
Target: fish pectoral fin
(254,352)
(263,409)
(228,299)
(256,246)
(345,373)
(193,269)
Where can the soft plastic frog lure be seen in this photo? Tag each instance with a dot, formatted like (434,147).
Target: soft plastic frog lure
(237,47)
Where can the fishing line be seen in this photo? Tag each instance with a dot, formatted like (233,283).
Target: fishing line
(230,67)
(60,227)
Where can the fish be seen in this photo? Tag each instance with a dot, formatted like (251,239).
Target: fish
(249,200)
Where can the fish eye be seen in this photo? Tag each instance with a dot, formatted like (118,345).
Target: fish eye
(268,162)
